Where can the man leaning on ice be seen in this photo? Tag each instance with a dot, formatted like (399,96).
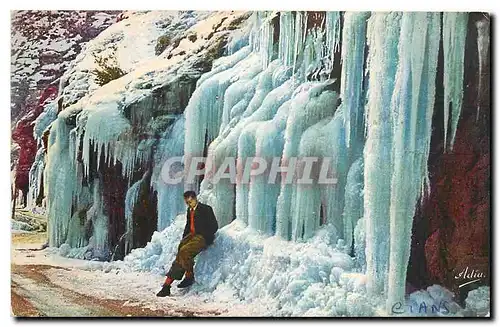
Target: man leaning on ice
(199,233)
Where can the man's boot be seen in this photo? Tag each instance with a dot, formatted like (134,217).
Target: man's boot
(165,291)
(187,281)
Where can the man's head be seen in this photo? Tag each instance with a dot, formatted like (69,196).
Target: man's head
(190,198)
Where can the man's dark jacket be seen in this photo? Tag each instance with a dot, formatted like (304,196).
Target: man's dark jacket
(204,222)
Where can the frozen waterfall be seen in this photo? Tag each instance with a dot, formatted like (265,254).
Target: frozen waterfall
(279,97)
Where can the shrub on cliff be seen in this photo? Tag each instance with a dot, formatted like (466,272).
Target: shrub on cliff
(162,43)
(107,70)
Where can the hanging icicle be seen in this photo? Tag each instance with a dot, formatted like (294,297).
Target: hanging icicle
(412,107)
(353,49)
(383,36)
(266,48)
(332,28)
(454,34)
(287,33)
(483,44)
(300,28)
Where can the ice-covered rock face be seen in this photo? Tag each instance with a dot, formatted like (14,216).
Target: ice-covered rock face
(128,43)
(392,101)
(44,44)
(23,135)
(459,184)
(113,131)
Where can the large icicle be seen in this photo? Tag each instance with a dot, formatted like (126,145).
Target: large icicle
(287,33)
(412,106)
(266,39)
(383,34)
(205,108)
(104,126)
(170,200)
(271,78)
(454,34)
(222,194)
(299,37)
(36,178)
(305,111)
(325,141)
(313,62)
(351,84)
(332,28)
(262,197)
(77,231)
(99,242)
(130,202)
(483,45)
(59,182)
(353,209)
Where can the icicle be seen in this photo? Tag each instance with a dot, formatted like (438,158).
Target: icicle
(360,244)
(246,150)
(483,44)
(351,85)
(130,201)
(77,230)
(308,106)
(266,41)
(227,146)
(313,55)
(43,121)
(353,209)
(264,85)
(412,104)
(332,28)
(73,145)
(383,35)
(36,178)
(170,200)
(60,183)
(238,96)
(205,109)
(324,140)
(104,126)
(268,143)
(254,32)
(100,224)
(287,33)
(300,26)
(454,34)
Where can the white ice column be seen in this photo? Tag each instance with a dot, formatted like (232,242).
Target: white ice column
(383,36)
(412,106)
(454,34)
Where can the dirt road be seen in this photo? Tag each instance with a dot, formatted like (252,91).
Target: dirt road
(33,294)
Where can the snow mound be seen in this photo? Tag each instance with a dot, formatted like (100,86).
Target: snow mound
(478,301)
(435,301)
(291,279)
(21,226)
